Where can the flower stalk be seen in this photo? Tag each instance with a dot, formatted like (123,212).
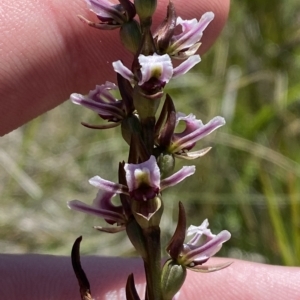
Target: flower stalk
(152,263)
(154,143)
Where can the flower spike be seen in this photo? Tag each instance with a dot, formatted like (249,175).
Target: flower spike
(150,130)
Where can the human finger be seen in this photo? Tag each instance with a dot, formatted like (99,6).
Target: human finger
(46,53)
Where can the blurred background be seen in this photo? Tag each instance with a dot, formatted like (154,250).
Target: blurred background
(249,183)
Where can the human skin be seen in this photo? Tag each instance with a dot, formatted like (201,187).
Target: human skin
(45,55)
(36,277)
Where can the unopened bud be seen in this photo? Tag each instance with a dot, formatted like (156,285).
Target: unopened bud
(145,8)
(130,34)
(166,163)
(172,278)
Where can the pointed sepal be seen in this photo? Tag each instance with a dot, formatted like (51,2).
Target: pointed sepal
(84,285)
(131,293)
(175,245)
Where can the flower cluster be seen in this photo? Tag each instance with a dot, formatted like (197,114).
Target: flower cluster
(142,183)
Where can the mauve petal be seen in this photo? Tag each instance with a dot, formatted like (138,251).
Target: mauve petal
(199,232)
(99,7)
(192,31)
(102,102)
(186,43)
(197,229)
(157,66)
(190,139)
(149,167)
(102,93)
(123,71)
(108,186)
(104,9)
(191,123)
(103,201)
(186,65)
(89,209)
(177,177)
(204,252)
(105,110)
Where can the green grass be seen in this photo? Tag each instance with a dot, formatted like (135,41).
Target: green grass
(249,182)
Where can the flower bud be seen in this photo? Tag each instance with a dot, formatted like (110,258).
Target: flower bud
(166,163)
(172,278)
(131,36)
(145,8)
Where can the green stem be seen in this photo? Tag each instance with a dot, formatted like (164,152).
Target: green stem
(152,263)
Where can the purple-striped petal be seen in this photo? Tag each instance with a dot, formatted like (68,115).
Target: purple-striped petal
(102,93)
(202,229)
(192,32)
(102,102)
(186,65)
(202,245)
(110,216)
(202,253)
(155,66)
(177,177)
(191,124)
(106,11)
(103,201)
(188,141)
(106,111)
(108,186)
(123,71)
